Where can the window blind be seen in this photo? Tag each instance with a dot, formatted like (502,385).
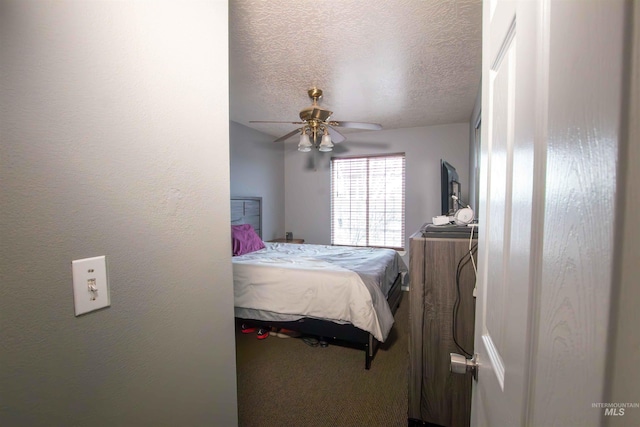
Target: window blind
(367,201)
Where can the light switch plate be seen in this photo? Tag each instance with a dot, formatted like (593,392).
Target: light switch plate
(90,287)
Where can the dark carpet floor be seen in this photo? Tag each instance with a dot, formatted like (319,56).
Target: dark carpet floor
(285,382)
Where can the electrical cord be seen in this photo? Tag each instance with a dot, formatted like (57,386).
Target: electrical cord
(456,305)
(461,264)
(475,269)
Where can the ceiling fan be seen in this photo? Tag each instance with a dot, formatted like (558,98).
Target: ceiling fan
(315,122)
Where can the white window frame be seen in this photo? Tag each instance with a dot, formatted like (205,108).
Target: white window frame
(364,204)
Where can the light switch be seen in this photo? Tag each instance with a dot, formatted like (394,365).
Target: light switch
(90,287)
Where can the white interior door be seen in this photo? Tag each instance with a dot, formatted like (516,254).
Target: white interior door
(553,79)
(507,190)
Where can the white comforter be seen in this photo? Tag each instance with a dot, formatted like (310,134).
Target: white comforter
(342,284)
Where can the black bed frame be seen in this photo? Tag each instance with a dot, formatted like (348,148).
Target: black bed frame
(248,210)
(346,334)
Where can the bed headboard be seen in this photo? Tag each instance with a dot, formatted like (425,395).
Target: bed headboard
(247,210)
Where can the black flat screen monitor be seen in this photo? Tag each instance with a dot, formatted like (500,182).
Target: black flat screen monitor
(450,185)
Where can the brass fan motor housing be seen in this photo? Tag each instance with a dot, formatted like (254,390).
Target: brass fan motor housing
(314,112)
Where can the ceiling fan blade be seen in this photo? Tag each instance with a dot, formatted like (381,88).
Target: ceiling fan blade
(269,121)
(357,125)
(287,136)
(336,137)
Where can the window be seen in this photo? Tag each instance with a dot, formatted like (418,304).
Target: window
(367,201)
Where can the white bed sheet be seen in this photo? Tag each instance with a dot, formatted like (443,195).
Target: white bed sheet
(286,282)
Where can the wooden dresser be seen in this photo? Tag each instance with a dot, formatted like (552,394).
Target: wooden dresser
(435,394)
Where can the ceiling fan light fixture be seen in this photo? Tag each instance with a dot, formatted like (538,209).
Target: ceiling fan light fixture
(305,144)
(326,144)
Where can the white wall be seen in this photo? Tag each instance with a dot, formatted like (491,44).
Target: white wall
(257,169)
(308,180)
(114,141)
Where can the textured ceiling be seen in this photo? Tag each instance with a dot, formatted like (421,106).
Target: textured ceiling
(400,63)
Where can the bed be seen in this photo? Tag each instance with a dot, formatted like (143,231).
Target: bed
(345,294)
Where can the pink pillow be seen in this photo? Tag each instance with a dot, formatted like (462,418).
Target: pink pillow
(244,239)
